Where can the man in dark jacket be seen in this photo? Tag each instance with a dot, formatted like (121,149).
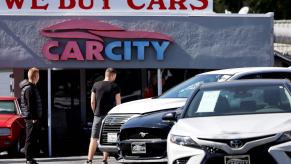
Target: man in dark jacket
(31,109)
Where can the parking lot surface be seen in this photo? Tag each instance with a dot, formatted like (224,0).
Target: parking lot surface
(58,160)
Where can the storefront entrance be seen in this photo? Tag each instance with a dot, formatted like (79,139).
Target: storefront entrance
(67,134)
(71,112)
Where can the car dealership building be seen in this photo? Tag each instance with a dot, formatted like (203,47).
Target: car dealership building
(73,45)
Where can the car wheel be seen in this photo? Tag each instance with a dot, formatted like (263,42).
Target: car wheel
(18,146)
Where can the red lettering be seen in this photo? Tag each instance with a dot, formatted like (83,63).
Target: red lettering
(35,5)
(203,6)
(82,5)
(46,50)
(106,4)
(157,2)
(63,5)
(72,51)
(178,2)
(10,3)
(133,6)
(94,49)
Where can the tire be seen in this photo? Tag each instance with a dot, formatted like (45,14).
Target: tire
(17,148)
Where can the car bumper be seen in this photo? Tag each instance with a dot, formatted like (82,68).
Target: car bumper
(110,149)
(144,161)
(268,154)
(183,154)
(154,150)
(111,124)
(281,153)
(5,142)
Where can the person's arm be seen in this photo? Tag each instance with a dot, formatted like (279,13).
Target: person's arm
(93,101)
(118,99)
(28,100)
(32,105)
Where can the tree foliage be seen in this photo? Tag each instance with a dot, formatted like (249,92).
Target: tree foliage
(281,8)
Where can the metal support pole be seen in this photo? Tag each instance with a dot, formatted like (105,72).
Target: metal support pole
(83,95)
(159,80)
(49,106)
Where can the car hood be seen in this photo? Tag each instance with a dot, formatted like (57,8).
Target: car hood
(6,119)
(233,127)
(148,105)
(151,120)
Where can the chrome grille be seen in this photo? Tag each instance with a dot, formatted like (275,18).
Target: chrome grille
(112,124)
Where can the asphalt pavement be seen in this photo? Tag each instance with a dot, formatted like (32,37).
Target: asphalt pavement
(58,160)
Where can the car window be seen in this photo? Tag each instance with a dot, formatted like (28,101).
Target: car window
(277,75)
(240,100)
(7,107)
(269,75)
(185,89)
(251,76)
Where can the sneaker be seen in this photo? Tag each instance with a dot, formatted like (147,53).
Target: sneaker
(88,162)
(41,151)
(104,162)
(22,150)
(31,162)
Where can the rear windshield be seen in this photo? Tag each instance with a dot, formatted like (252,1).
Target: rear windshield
(240,100)
(7,107)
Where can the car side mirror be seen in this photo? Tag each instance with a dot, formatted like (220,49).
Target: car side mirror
(170,117)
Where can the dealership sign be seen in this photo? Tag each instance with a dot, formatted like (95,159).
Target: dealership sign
(104,7)
(87,40)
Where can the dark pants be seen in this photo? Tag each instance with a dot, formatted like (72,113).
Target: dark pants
(31,145)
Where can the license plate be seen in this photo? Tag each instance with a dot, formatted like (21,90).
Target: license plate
(112,137)
(138,148)
(237,159)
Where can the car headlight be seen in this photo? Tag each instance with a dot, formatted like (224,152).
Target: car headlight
(5,131)
(183,140)
(286,136)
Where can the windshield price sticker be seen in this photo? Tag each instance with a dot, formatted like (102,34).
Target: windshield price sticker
(208,101)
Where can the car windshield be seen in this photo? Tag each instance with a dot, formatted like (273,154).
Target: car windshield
(240,100)
(185,89)
(7,107)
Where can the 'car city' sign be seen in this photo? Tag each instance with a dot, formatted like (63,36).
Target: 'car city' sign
(71,36)
(103,7)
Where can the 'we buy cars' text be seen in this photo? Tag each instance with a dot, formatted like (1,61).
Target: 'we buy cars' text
(148,5)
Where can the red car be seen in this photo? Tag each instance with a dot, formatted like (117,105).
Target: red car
(12,126)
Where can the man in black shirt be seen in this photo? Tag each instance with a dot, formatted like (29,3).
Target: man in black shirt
(31,110)
(104,96)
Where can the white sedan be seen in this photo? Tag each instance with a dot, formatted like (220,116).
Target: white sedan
(238,122)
